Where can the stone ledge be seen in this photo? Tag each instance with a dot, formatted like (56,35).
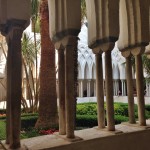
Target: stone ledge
(124,133)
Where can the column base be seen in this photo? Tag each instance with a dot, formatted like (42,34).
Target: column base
(137,125)
(106,129)
(7,146)
(75,139)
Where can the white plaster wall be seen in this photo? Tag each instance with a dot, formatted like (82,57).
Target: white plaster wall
(86,59)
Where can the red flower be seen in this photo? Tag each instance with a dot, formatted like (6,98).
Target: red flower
(46,132)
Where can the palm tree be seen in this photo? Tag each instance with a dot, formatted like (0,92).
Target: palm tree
(29,54)
(83,9)
(35,29)
(48,116)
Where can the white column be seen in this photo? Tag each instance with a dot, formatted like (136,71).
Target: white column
(122,88)
(114,90)
(89,88)
(117,87)
(147,89)
(94,88)
(81,88)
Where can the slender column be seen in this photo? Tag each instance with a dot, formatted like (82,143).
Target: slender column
(89,88)
(117,87)
(140,90)
(94,88)
(70,86)
(14,80)
(147,89)
(114,88)
(81,84)
(61,91)
(99,91)
(122,86)
(79,89)
(130,90)
(109,92)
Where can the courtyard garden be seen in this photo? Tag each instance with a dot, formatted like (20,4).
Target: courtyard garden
(86,117)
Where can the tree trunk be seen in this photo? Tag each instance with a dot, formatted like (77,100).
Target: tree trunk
(48,116)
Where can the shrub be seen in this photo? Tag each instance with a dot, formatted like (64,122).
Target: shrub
(86,120)
(28,121)
(87,109)
(119,119)
(2,130)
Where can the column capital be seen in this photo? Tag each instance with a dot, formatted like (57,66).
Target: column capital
(97,51)
(60,48)
(133,50)
(14,23)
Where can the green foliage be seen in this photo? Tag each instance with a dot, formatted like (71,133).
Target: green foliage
(86,120)
(28,121)
(146,66)
(86,117)
(87,109)
(30,132)
(91,109)
(28,48)
(2,111)
(2,129)
(119,119)
(35,8)
(83,9)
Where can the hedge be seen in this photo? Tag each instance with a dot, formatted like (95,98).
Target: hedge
(81,121)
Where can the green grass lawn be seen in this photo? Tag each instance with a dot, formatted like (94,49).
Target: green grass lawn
(2,129)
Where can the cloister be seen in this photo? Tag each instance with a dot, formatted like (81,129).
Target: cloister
(126,22)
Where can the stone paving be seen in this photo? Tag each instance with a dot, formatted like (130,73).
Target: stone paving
(1,148)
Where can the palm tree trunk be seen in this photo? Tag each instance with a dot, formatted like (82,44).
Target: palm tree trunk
(48,116)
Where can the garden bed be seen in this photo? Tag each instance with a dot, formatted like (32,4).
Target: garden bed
(86,117)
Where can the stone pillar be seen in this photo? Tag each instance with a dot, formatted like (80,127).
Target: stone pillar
(109,92)
(88,88)
(130,90)
(147,88)
(140,90)
(81,86)
(71,47)
(14,81)
(99,91)
(117,87)
(94,88)
(122,87)
(61,91)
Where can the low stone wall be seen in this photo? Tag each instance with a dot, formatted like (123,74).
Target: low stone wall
(121,99)
(126,137)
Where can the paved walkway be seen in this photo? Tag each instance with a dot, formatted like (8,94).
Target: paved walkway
(1,148)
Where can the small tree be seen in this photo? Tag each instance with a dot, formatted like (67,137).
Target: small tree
(48,116)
